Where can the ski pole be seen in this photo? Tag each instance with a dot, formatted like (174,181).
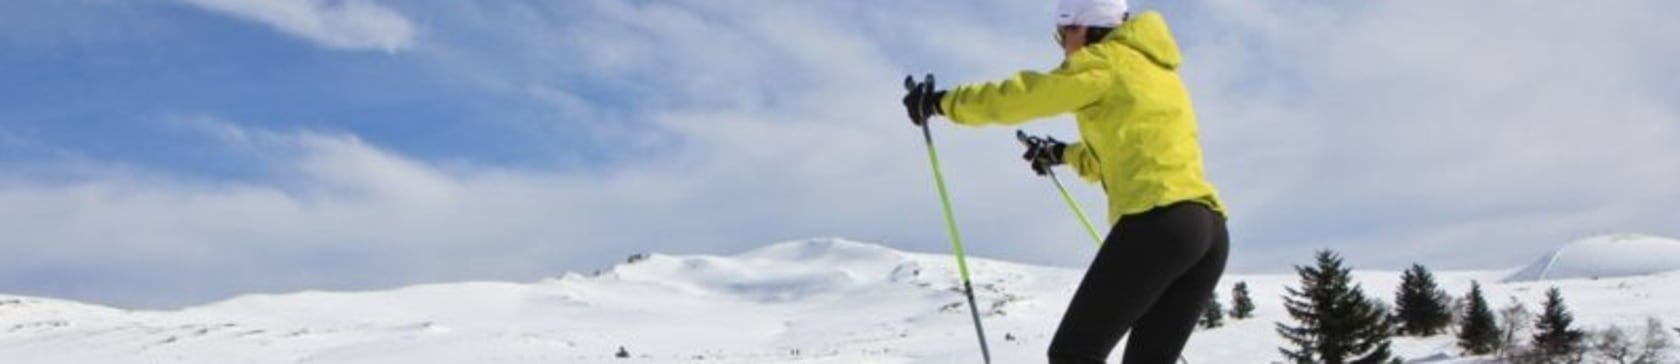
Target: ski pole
(1076,210)
(1022,136)
(951,224)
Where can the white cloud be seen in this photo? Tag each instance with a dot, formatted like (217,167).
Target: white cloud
(339,213)
(1350,125)
(1419,129)
(752,139)
(1470,134)
(342,24)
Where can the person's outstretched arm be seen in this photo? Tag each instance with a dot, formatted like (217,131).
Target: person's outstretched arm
(1028,95)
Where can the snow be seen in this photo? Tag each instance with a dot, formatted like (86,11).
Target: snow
(1607,256)
(811,301)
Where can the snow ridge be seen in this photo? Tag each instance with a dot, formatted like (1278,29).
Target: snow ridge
(809,301)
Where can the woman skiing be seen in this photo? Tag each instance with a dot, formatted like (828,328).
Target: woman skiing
(1167,248)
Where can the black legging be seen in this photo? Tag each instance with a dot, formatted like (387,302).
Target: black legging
(1152,276)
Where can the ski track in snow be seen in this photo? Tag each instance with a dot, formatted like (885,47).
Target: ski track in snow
(814,301)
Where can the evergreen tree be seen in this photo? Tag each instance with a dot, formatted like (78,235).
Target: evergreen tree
(1213,315)
(1478,333)
(1553,337)
(1242,306)
(1421,305)
(1337,323)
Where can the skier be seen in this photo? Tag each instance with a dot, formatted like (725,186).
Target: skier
(1167,248)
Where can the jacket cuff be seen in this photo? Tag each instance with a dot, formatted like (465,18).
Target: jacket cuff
(1071,152)
(947,103)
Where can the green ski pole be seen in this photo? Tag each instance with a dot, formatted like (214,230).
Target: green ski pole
(951,223)
(1076,210)
(1022,136)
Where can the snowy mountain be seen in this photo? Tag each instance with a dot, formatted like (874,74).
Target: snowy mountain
(1608,256)
(813,301)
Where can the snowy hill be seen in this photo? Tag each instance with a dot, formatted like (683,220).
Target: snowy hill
(1607,256)
(815,301)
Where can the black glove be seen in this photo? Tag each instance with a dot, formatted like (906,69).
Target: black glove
(921,101)
(1042,152)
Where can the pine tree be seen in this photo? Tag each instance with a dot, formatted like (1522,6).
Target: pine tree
(1478,333)
(1421,305)
(1242,306)
(1337,323)
(1213,315)
(1553,337)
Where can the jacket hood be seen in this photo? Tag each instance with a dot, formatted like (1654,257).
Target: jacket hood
(1148,34)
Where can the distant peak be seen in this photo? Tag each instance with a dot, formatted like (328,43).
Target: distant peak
(1623,237)
(1604,256)
(1642,241)
(821,248)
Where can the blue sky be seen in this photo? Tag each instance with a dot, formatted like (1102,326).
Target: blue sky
(168,152)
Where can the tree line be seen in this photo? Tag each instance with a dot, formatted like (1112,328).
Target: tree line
(1334,321)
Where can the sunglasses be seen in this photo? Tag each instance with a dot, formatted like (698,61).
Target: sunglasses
(1060,34)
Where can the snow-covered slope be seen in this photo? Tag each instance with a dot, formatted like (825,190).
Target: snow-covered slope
(815,301)
(1621,255)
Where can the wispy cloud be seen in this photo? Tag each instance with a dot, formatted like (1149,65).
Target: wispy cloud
(1464,134)
(341,24)
(759,131)
(339,213)
(1430,127)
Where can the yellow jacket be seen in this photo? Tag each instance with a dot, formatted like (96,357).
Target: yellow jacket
(1136,123)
